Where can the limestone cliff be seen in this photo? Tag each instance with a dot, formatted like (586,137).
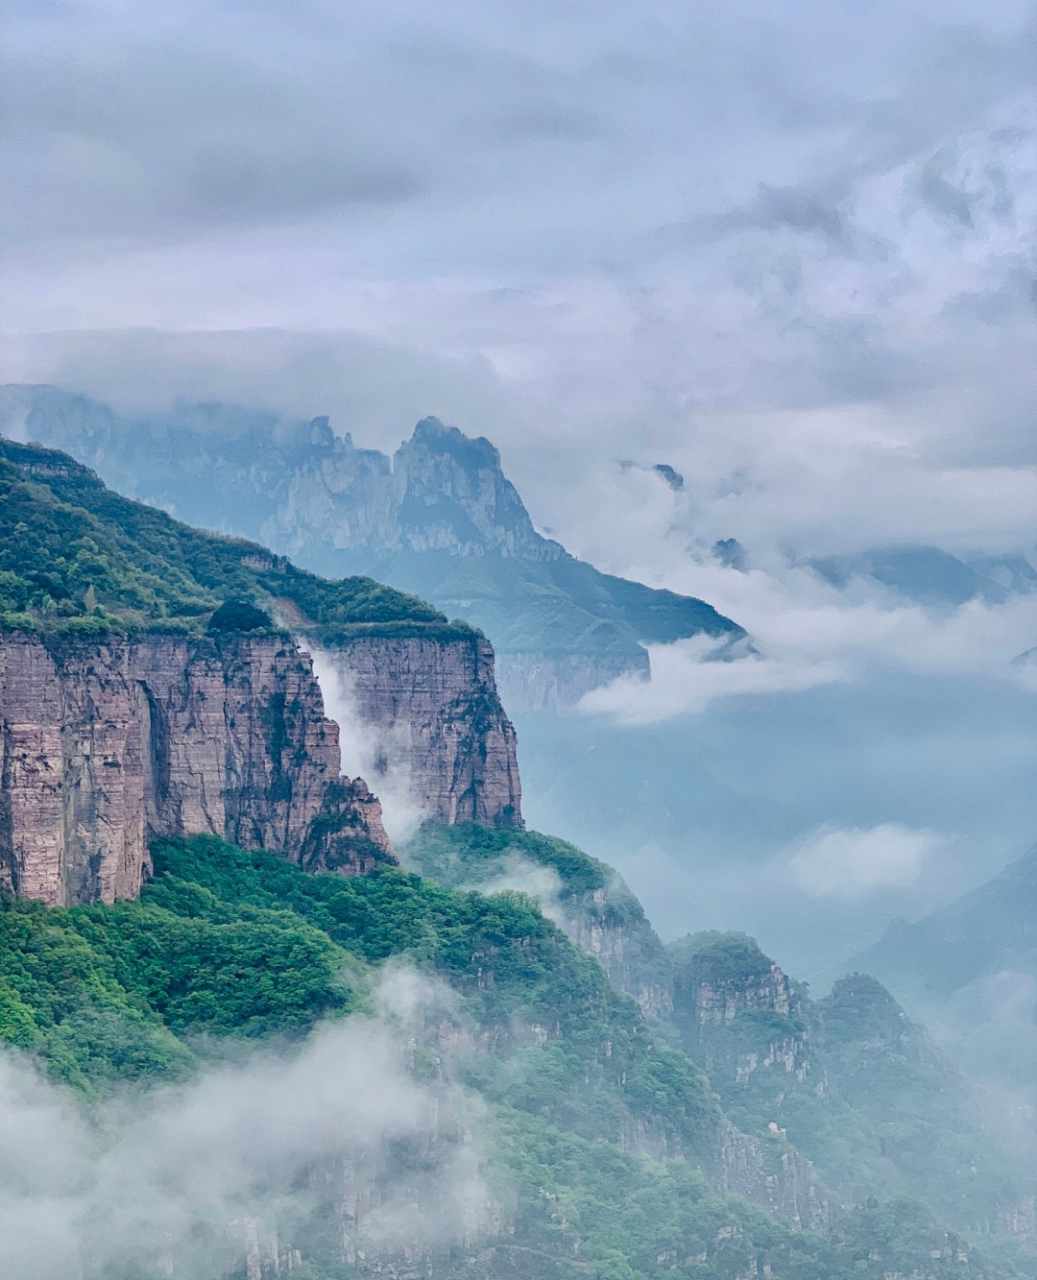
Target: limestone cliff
(609,923)
(434,709)
(104,745)
(738,1013)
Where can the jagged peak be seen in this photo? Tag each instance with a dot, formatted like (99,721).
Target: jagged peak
(472,452)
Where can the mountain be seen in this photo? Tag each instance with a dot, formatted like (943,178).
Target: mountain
(439,518)
(146,690)
(990,930)
(549,1130)
(206,936)
(971,968)
(854,1083)
(933,577)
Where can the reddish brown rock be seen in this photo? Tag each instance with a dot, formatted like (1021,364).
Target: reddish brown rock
(434,704)
(105,745)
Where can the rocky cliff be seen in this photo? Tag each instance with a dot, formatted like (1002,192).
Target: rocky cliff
(858,1088)
(106,745)
(147,689)
(739,1013)
(432,707)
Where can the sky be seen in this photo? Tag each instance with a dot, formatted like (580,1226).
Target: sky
(788,249)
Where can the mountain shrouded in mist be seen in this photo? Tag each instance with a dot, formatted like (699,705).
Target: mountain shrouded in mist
(310,1060)
(439,519)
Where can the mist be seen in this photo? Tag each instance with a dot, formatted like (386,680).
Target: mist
(377,753)
(251,1159)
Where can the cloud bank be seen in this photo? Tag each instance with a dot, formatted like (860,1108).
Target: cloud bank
(200,1177)
(855,863)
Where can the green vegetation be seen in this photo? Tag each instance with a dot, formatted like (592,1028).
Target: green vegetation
(78,559)
(721,958)
(470,854)
(587,895)
(858,1088)
(239,615)
(227,945)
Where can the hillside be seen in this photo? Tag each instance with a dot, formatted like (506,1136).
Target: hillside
(527,1052)
(858,1087)
(76,557)
(439,519)
(990,930)
(971,969)
(850,1079)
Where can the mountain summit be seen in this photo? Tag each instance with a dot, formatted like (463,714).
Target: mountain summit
(439,518)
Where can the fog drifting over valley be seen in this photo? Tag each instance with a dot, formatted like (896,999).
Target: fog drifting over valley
(194,1179)
(787,250)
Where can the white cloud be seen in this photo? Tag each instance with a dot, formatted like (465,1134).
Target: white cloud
(184,1174)
(855,862)
(686,677)
(377,752)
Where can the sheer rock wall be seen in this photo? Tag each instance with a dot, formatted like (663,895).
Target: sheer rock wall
(106,745)
(434,706)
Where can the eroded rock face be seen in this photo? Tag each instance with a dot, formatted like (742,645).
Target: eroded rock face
(434,706)
(771,1172)
(610,925)
(106,745)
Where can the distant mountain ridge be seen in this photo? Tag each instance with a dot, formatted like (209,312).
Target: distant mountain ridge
(971,970)
(989,930)
(439,517)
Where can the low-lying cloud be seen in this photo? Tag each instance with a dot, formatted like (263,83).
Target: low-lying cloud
(687,676)
(807,633)
(196,1178)
(379,753)
(854,863)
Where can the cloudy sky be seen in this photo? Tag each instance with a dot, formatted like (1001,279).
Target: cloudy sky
(788,248)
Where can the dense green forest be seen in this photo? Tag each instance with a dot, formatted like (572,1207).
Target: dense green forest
(77,558)
(229,948)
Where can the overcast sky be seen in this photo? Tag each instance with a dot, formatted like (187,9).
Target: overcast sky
(787,247)
(778,243)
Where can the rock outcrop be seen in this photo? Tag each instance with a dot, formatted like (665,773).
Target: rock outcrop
(739,1013)
(774,1174)
(104,745)
(433,708)
(609,923)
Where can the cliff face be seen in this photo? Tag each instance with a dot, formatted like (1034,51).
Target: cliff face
(740,1015)
(610,925)
(434,706)
(774,1174)
(105,745)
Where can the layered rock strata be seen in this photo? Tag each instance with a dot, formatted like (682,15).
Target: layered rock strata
(432,706)
(610,925)
(104,746)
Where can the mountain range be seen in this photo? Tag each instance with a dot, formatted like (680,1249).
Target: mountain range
(189,885)
(439,518)
(971,968)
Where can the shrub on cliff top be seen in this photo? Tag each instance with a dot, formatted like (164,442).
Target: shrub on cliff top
(239,615)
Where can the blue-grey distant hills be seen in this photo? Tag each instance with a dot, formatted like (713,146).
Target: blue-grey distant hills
(438,518)
(932,577)
(972,968)
(991,930)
